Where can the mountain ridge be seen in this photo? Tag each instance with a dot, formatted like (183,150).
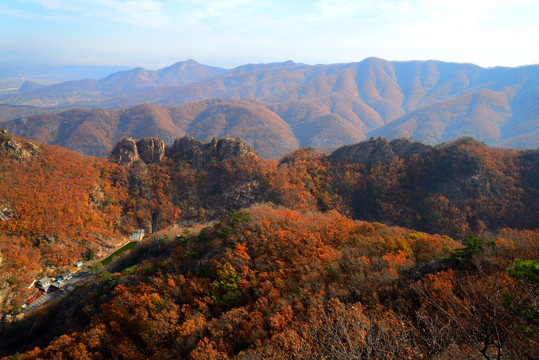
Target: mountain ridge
(331,105)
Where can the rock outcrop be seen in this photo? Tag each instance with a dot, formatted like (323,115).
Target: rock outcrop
(379,151)
(199,154)
(22,151)
(6,212)
(405,148)
(125,152)
(374,151)
(149,149)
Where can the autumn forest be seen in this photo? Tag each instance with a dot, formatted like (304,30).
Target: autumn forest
(377,250)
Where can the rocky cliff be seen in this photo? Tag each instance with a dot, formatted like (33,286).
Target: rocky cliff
(379,151)
(6,213)
(149,149)
(199,154)
(125,152)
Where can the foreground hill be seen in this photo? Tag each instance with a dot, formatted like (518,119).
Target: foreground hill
(267,283)
(430,101)
(56,205)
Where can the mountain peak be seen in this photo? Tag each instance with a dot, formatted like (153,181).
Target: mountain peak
(183,64)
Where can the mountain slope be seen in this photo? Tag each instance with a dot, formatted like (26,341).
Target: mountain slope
(56,204)
(10,112)
(331,105)
(96,131)
(480,114)
(257,126)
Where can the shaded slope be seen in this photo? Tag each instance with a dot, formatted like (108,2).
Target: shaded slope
(480,114)
(316,127)
(10,112)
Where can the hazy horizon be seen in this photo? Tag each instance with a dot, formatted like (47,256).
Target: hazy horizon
(157,33)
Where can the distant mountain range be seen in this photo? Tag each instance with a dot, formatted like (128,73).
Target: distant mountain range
(279,106)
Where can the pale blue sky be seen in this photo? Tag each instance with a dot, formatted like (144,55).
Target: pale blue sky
(156,33)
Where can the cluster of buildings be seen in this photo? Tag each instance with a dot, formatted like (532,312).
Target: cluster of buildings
(48,284)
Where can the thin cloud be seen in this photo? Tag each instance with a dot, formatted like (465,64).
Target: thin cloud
(198,12)
(337,9)
(140,13)
(16,13)
(321,30)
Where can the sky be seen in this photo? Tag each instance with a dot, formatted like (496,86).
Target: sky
(228,33)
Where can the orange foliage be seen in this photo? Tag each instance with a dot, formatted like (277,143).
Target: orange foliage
(279,283)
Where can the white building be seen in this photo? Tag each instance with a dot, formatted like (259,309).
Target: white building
(137,235)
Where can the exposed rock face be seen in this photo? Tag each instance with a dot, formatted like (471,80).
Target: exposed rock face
(242,195)
(22,151)
(125,153)
(229,148)
(374,151)
(188,148)
(151,150)
(405,148)
(379,151)
(200,154)
(6,213)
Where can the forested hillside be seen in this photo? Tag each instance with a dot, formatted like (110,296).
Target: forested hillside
(54,206)
(282,284)
(335,255)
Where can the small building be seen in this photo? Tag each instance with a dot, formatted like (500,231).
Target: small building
(67,275)
(137,235)
(43,284)
(58,285)
(78,263)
